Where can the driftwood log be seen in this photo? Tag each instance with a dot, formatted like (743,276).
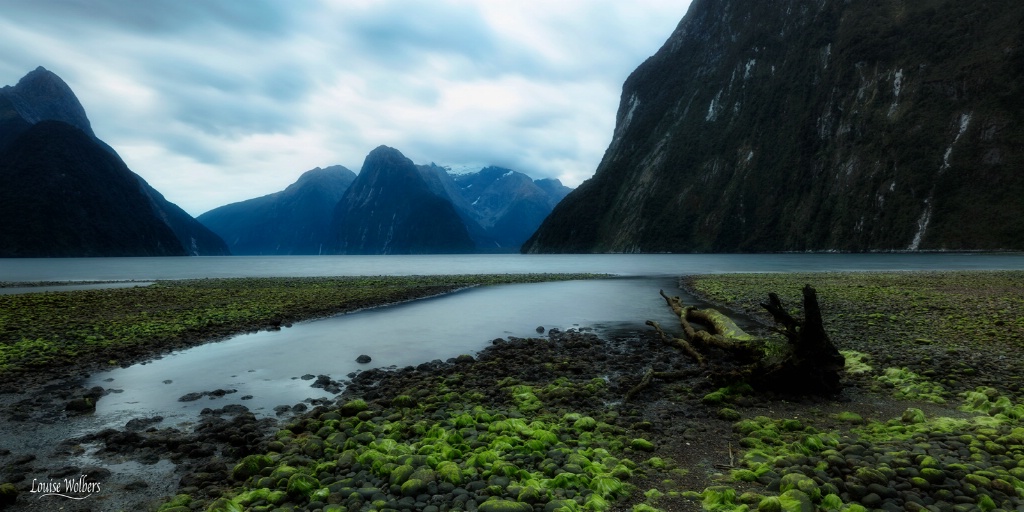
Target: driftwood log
(806,362)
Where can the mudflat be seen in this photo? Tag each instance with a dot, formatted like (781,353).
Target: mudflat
(930,417)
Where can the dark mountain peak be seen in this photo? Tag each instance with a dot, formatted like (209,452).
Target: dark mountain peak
(386,156)
(333,177)
(813,126)
(553,188)
(296,220)
(391,209)
(65,195)
(385,168)
(41,95)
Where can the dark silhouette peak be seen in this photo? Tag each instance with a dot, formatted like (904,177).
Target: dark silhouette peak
(323,175)
(385,155)
(41,95)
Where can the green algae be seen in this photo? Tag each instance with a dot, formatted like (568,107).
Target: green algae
(60,329)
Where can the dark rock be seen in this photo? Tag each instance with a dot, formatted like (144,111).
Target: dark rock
(8,494)
(63,472)
(871,500)
(190,397)
(140,423)
(24,459)
(363,359)
(81,405)
(136,485)
(96,473)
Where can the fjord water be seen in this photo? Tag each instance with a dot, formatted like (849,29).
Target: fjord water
(109,269)
(268,366)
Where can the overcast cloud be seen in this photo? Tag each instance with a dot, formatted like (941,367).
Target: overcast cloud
(217,101)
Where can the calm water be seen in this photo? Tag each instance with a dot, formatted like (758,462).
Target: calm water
(268,365)
(145,269)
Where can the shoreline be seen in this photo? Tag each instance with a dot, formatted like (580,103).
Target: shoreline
(675,417)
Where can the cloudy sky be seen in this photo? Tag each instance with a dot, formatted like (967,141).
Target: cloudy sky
(217,101)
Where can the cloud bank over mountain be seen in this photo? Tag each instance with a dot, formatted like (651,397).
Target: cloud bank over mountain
(209,101)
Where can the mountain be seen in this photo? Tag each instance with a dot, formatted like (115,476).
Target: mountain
(296,220)
(833,125)
(390,209)
(507,204)
(66,196)
(67,193)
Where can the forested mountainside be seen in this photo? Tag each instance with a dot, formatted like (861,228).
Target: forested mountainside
(792,125)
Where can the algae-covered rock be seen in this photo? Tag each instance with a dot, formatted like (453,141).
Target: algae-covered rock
(8,494)
(301,484)
(913,416)
(403,401)
(728,414)
(770,504)
(353,407)
(850,417)
(413,487)
(641,444)
(224,505)
(250,466)
(800,482)
(585,423)
(448,471)
(497,505)
(796,501)
(531,494)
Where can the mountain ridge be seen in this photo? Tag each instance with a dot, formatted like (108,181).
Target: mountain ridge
(390,209)
(837,126)
(42,105)
(295,220)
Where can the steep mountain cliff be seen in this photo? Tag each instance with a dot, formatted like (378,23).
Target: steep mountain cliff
(58,183)
(390,209)
(793,125)
(64,195)
(296,220)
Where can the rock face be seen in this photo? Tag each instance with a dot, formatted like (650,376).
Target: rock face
(500,207)
(296,220)
(67,193)
(833,125)
(64,195)
(508,204)
(390,209)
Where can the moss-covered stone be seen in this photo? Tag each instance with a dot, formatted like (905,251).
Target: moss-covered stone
(499,505)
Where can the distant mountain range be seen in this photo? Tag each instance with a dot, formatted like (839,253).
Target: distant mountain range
(296,220)
(814,126)
(392,207)
(67,193)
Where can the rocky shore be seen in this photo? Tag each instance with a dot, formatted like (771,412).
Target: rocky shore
(930,419)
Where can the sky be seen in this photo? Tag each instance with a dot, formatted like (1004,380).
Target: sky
(218,101)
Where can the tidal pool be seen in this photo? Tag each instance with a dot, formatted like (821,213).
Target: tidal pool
(266,368)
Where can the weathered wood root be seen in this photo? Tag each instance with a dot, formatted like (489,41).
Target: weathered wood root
(650,375)
(679,343)
(809,364)
(726,336)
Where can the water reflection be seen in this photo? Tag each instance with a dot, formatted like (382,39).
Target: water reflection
(268,366)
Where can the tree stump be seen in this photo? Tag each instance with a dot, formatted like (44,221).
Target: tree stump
(807,362)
